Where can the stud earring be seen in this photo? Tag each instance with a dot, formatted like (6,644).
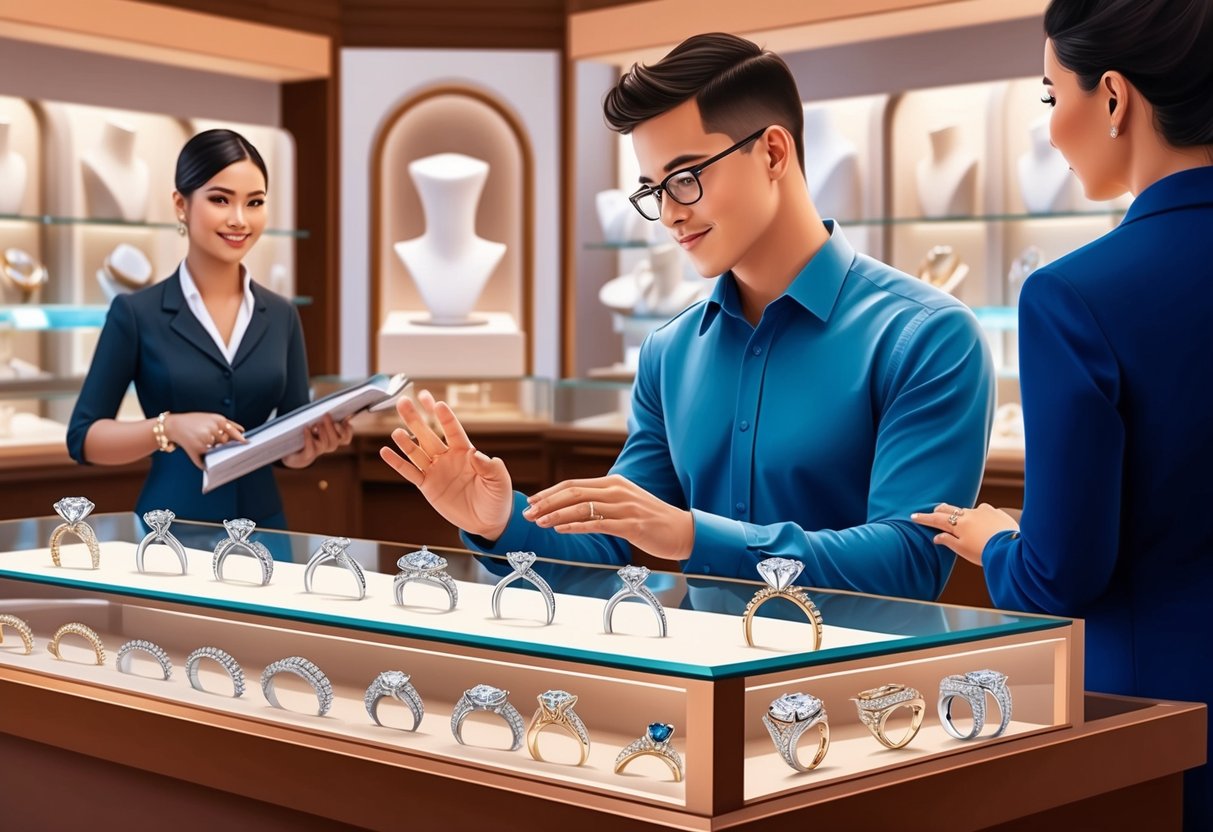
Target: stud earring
(1114,133)
(181,229)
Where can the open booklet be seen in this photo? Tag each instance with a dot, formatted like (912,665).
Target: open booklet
(283,435)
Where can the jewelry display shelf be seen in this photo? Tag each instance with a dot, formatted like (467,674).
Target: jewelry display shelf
(702,678)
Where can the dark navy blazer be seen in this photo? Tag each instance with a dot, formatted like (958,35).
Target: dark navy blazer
(1115,345)
(151,337)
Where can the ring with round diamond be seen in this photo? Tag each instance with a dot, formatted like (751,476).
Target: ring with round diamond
(556,708)
(424,567)
(73,510)
(494,700)
(159,521)
(633,578)
(224,659)
(875,706)
(654,743)
(157,652)
(522,563)
(973,687)
(333,548)
(87,633)
(788,718)
(237,542)
(396,684)
(23,630)
(305,670)
(779,574)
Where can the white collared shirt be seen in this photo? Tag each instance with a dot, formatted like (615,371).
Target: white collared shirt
(245,314)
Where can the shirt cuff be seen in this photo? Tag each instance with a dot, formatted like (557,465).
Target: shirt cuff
(513,539)
(720,546)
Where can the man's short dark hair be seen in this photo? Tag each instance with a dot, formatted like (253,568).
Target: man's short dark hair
(739,87)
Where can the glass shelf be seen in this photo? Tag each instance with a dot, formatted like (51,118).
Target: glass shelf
(52,317)
(47,219)
(998,318)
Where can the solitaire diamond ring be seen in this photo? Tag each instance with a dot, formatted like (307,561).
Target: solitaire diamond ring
(73,510)
(333,549)
(973,687)
(424,567)
(779,574)
(237,543)
(654,743)
(487,698)
(633,578)
(305,670)
(787,720)
(522,563)
(556,709)
(224,659)
(878,704)
(154,650)
(159,521)
(396,684)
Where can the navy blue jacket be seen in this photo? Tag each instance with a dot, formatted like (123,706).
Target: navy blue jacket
(151,337)
(1115,344)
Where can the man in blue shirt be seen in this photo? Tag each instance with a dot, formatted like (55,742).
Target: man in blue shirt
(804,410)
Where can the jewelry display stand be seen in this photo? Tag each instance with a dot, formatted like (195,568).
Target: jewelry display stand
(1046,183)
(115,178)
(831,164)
(947,177)
(14,173)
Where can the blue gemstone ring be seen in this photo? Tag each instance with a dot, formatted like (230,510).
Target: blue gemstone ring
(654,743)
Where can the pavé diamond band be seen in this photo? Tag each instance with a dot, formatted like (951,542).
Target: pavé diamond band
(973,687)
(305,670)
(87,633)
(73,510)
(779,574)
(23,630)
(224,660)
(494,700)
(126,651)
(522,563)
(875,706)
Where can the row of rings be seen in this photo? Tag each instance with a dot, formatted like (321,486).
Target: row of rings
(792,715)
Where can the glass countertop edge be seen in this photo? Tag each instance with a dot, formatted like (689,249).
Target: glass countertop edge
(773,664)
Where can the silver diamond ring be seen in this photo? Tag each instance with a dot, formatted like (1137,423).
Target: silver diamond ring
(522,562)
(487,698)
(153,650)
(788,718)
(224,659)
(973,687)
(305,670)
(396,684)
(237,543)
(73,510)
(425,567)
(633,578)
(333,549)
(159,522)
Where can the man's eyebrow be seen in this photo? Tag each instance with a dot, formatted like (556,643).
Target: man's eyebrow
(675,163)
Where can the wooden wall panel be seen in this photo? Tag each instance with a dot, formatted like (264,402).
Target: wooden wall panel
(454,24)
(319,16)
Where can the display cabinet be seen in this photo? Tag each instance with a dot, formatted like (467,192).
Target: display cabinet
(702,678)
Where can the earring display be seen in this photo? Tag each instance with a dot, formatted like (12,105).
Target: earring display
(22,271)
(1046,182)
(125,269)
(947,178)
(943,269)
(14,173)
(831,166)
(115,179)
(655,287)
(620,222)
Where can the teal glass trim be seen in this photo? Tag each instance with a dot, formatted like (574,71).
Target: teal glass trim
(49,317)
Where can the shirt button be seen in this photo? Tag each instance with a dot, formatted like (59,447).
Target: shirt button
(740,508)
(227,373)
(757,350)
(707,570)
(744,425)
(227,402)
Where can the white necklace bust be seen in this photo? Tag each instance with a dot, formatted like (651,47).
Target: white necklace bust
(947,178)
(115,180)
(13,173)
(449,263)
(831,166)
(1046,182)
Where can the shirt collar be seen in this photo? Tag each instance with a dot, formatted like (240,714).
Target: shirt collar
(1184,189)
(190,289)
(815,287)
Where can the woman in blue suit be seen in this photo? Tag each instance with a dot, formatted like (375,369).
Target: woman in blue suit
(1116,526)
(210,352)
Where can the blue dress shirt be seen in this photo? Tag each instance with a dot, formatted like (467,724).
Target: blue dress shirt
(862,395)
(1118,416)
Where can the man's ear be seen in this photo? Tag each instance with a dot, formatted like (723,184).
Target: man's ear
(780,150)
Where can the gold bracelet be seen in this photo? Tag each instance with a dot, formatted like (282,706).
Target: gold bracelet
(162,441)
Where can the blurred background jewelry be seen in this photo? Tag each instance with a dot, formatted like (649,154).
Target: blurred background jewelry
(396,684)
(23,630)
(633,578)
(84,632)
(556,708)
(876,705)
(973,687)
(224,659)
(73,510)
(305,670)
(779,573)
(425,567)
(788,718)
(159,520)
(654,743)
(154,650)
(521,563)
(23,271)
(494,700)
(333,548)
(237,542)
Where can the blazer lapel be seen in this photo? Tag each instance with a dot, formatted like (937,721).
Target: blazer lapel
(258,325)
(185,324)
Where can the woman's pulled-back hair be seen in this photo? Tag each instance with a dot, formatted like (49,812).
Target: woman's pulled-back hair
(738,86)
(210,152)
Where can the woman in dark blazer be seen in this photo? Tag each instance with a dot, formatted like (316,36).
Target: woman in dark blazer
(1114,346)
(210,352)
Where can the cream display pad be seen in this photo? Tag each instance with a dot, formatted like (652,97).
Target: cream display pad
(115,179)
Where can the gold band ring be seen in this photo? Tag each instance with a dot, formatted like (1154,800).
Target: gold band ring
(556,709)
(875,706)
(23,630)
(79,629)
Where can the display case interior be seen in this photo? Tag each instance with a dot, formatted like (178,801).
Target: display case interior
(702,678)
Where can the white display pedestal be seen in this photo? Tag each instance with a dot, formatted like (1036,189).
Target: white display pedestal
(495,348)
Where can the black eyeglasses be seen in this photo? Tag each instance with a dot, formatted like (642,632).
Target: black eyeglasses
(683,186)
